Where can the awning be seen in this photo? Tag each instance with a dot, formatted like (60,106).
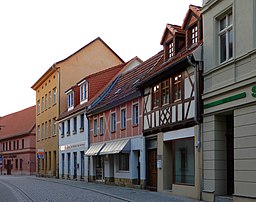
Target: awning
(94,149)
(116,147)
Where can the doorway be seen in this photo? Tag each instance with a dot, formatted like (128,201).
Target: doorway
(9,167)
(230,153)
(152,169)
(99,168)
(75,165)
(82,164)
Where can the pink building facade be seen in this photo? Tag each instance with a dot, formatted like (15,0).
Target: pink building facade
(17,143)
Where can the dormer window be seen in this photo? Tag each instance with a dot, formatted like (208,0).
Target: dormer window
(194,35)
(70,100)
(171,50)
(83,92)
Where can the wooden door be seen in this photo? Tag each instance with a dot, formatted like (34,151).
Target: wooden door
(152,169)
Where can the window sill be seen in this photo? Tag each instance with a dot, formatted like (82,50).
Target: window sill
(135,125)
(183,184)
(113,131)
(122,129)
(123,171)
(81,130)
(101,134)
(74,132)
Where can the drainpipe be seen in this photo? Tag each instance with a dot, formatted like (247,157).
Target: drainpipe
(58,102)
(198,146)
(88,143)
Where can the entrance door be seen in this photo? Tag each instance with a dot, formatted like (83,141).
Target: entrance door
(99,168)
(9,167)
(152,168)
(138,167)
(230,154)
(82,164)
(75,165)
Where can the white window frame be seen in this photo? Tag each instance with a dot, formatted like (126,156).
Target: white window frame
(171,49)
(194,34)
(83,92)
(71,100)
(101,125)
(113,121)
(135,120)
(225,31)
(123,118)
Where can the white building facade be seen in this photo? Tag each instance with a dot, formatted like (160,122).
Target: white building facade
(73,142)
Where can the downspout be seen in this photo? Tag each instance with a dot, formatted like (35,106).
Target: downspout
(198,146)
(58,113)
(89,141)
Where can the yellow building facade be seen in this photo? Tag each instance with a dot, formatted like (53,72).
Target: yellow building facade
(51,100)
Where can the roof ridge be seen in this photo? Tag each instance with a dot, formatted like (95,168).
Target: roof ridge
(17,111)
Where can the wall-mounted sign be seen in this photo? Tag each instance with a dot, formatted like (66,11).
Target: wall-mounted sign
(230,99)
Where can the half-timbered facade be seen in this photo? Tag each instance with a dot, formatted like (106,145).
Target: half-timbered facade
(172,109)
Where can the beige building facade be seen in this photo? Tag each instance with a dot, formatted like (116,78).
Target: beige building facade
(51,100)
(229,138)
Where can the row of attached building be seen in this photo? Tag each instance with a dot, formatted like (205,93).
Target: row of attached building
(181,122)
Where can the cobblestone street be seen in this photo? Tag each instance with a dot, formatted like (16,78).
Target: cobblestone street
(29,188)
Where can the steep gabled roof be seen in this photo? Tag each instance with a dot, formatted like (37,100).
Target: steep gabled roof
(125,88)
(173,29)
(18,123)
(195,10)
(172,65)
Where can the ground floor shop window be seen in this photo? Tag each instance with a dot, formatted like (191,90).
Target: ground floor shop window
(124,161)
(184,164)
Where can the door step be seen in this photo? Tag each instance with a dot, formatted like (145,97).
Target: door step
(223,199)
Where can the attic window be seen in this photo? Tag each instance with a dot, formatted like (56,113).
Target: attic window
(70,100)
(171,50)
(118,91)
(194,35)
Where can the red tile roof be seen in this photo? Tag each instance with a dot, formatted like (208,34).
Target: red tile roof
(192,8)
(174,29)
(96,82)
(125,88)
(166,65)
(18,123)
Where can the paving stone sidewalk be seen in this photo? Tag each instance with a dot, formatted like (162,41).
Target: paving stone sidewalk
(120,192)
